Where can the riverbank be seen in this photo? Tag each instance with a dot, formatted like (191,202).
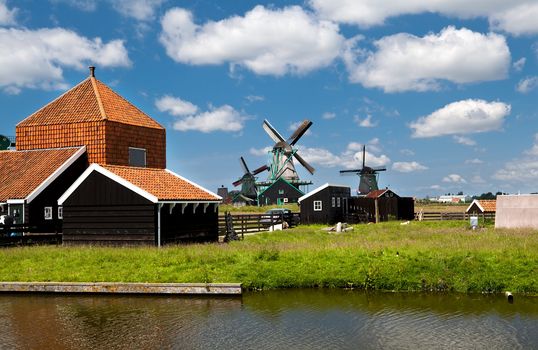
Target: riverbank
(420,256)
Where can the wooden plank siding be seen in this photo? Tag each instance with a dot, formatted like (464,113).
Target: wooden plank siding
(103,212)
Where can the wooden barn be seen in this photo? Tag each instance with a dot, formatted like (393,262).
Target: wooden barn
(106,159)
(383,205)
(326,204)
(279,192)
(482,207)
(32,181)
(126,205)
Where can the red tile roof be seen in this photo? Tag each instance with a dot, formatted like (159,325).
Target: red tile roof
(489,205)
(91,100)
(376,193)
(162,184)
(21,172)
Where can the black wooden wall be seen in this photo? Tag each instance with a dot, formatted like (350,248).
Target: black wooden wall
(101,211)
(35,211)
(328,214)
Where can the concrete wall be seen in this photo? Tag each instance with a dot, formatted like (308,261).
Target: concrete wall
(515,211)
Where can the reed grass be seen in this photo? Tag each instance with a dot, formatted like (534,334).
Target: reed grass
(420,256)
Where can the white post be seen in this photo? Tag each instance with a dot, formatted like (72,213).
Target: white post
(159,207)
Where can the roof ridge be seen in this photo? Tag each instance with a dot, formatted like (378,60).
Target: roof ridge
(51,102)
(98,97)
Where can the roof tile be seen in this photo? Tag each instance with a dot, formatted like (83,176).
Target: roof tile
(162,184)
(21,172)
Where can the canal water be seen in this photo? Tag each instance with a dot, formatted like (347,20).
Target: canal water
(286,319)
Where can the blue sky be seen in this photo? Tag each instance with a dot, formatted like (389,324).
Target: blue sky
(442,92)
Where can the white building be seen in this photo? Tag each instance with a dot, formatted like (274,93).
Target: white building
(454,198)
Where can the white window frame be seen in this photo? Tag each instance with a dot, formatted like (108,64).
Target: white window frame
(60,212)
(338,202)
(333,201)
(318,205)
(47,213)
(145,156)
(285,200)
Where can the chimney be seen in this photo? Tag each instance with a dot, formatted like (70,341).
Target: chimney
(92,71)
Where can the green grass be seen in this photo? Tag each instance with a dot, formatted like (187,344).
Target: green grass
(431,256)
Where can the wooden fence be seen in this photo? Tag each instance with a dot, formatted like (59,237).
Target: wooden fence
(25,235)
(250,223)
(439,216)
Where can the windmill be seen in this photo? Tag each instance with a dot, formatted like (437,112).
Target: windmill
(248,182)
(368,175)
(282,165)
(6,142)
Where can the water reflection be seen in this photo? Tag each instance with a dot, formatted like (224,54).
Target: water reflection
(298,319)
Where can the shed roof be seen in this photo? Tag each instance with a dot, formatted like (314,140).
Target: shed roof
(379,193)
(157,185)
(24,174)
(89,101)
(485,205)
(319,189)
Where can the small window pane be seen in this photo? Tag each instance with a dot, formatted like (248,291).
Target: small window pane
(137,157)
(338,202)
(48,213)
(317,206)
(60,213)
(333,202)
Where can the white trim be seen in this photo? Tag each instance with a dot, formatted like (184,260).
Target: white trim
(110,175)
(322,187)
(60,211)
(47,210)
(171,206)
(320,205)
(477,203)
(194,184)
(16,201)
(55,174)
(205,207)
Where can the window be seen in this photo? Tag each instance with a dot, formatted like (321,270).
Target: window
(333,202)
(48,213)
(61,213)
(137,157)
(285,200)
(280,191)
(317,206)
(338,202)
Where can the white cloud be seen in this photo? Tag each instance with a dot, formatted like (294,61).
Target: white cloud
(266,41)
(260,151)
(474,161)
(527,85)
(435,187)
(364,123)
(514,16)
(255,98)
(293,126)
(83,5)
(454,178)
(519,64)
(462,117)
(407,152)
(517,20)
(175,106)
(36,58)
(141,10)
(7,16)
(328,115)
(407,167)
(404,62)
(462,140)
(223,118)
(320,156)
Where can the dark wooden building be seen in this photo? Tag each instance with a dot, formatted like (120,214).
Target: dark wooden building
(32,181)
(279,192)
(383,204)
(326,204)
(132,206)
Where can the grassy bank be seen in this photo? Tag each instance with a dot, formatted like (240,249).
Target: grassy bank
(439,256)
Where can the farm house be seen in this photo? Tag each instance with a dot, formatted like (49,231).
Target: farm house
(326,204)
(117,139)
(32,181)
(279,192)
(383,204)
